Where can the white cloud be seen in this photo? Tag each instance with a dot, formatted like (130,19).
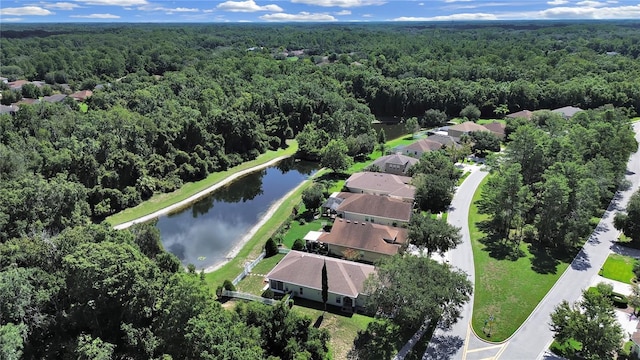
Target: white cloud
(61,6)
(12,19)
(96,16)
(367,15)
(557,2)
(247,6)
(620,12)
(114,2)
(421,4)
(455,1)
(467,16)
(343,12)
(167,10)
(302,16)
(340,3)
(590,3)
(26,10)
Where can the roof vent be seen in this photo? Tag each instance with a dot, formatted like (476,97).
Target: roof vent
(355,222)
(348,221)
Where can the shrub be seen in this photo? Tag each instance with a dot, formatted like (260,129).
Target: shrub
(268,294)
(270,248)
(228,285)
(298,245)
(619,300)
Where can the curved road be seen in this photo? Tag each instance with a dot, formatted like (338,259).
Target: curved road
(453,343)
(533,338)
(198,195)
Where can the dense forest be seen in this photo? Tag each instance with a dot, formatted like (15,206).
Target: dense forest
(173,103)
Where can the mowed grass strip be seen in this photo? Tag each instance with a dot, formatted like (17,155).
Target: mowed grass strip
(505,289)
(618,267)
(161,201)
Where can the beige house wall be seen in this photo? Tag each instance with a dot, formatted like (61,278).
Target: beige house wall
(316,295)
(367,218)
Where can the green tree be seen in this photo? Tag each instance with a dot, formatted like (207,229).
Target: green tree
(483,142)
(410,289)
(11,341)
(470,112)
(435,235)
(270,248)
(435,177)
(313,196)
(382,140)
(412,125)
(433,118)
(89,348)
(592,322)
(629,223)
(634,297)
(334,156)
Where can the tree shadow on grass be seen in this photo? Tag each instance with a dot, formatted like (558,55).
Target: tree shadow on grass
(380,340)
(496,245)
(546,259)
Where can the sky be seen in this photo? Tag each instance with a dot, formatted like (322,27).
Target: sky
(29,11)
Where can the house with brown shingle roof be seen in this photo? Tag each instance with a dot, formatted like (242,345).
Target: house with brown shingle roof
(81,95)
(17,85)
(381,184)
(521,114)
(497,128)
(396,164)
(300,274)
(359,240)
(370,208)
(456,131)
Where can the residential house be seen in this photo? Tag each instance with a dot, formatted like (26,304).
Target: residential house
(497,128)
(357,240)
(81,95)
(27,101)
(421,146)
(373,183)
(456,131)
(521,114)
(55,98)
(8,109)
(567,112)
(396,164)
(39,84)
(443,139)
(369,208)
(300,274)
(4,79)
(17,85)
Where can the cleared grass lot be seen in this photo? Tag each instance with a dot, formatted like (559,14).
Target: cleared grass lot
(619,268)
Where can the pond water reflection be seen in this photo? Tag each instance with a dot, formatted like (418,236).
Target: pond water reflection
(206,232)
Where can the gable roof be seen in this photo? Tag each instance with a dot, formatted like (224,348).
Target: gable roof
(567,111)
(15,85)
(365,236)
(496,127)
(81,95)
(396,159)
(445,140)
(521,114)
(424,145)
(467,126)
(374,205)
(305,269)
(381,183)
(54,98)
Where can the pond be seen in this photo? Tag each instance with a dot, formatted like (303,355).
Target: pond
(206,232)
(392,129)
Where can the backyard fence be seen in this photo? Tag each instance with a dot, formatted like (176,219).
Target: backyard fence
(247,268)
(251,297)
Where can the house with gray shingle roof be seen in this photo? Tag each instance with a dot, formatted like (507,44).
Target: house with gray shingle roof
(300,274)
(397,164)
(568,111)
(381,184)
(521,114)
(369,208)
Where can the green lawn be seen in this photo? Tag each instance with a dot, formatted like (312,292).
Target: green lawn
(619,268)
(507,289)
(489,121)
(83,107)
(254,282)
(298,231)
(161,201)
(463,177)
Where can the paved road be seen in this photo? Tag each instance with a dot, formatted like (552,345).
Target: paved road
(199,195)
(453,343)
(534,337)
